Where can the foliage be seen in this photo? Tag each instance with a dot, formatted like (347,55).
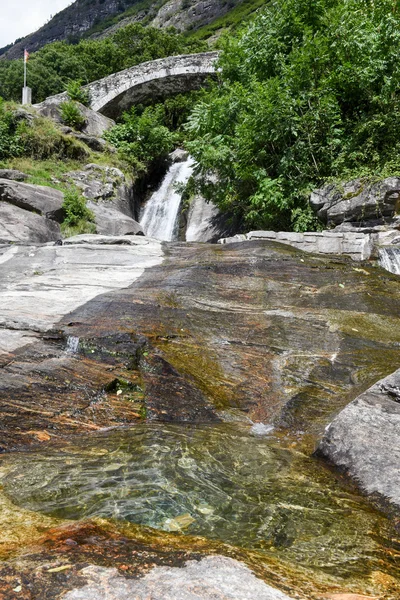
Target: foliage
(77,93)
(10,141)
(78,218)
(142,139)
(71,115)
(51,69)
(310,90)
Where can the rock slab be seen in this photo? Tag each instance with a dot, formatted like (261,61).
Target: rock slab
(364,440)
(213,578)
(42,200)
(357,201)
(22,226)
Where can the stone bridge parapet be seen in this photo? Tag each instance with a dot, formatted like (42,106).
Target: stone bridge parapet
(151,80)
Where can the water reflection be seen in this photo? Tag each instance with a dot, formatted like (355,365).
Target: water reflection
(217,481)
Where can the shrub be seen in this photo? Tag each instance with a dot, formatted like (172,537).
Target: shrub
(77,93)
(11,144)
(75,209)
(71,115)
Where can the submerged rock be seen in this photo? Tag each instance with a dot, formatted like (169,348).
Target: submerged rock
(364,440)
(214,577)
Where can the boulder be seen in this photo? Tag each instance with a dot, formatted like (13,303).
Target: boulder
(110,195)
(13,174)
(205,223)
(364,440)
(179,155)
(95,123)
(95,143)
(110,221)
(358,201)
(44,201)
(98,182)
(212,578)
(23,226)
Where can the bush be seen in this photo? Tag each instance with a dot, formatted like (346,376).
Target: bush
(76,210)
(77,93)
(11,144)
(142,139)
(71,115)
(309,91)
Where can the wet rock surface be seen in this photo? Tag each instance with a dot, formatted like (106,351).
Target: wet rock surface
(364,440)
(251,332)
(211,578)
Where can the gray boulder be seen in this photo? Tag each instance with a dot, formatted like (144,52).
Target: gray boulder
(95,123)
(13,174)
(364,440)
(212,578)
(110,197)
(358,201)
(95,143)
(110,221)
(42,200)
(23,226)
(98,182)
(179,155)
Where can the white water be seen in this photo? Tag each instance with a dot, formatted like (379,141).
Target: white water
(389,259)
(160,215)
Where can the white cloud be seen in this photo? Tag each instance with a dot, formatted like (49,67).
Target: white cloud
(21,17)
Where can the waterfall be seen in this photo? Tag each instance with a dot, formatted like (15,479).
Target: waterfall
(389,259)
(160,215)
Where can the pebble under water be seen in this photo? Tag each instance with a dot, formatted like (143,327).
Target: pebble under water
(217,481)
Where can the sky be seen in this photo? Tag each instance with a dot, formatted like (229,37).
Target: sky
(20,17)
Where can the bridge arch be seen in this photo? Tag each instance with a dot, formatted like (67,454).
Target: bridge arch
(155,79)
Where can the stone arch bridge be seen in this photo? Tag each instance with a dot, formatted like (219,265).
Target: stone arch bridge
(155,79)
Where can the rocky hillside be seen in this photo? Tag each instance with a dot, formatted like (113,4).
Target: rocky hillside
(86,18)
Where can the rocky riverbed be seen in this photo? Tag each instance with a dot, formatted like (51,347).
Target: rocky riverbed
(174,395)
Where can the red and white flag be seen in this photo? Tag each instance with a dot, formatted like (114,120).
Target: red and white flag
(26,56)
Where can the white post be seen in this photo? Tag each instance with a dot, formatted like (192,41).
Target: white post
(26,91)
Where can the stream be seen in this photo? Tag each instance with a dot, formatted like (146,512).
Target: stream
(190,403)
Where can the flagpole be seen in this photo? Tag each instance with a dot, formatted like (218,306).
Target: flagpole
(25,68)
(26,92)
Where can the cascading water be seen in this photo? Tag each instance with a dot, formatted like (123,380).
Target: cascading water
(389,259)
(160,215)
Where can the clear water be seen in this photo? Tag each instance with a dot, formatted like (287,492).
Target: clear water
(160,215)
(217,481)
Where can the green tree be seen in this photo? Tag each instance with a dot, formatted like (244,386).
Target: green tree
(309,90)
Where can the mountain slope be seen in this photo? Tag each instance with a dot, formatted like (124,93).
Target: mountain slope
(89,18)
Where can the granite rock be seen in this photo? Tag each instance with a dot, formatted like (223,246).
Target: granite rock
(44,201)
(364,440)
(358,201)
(213,578)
